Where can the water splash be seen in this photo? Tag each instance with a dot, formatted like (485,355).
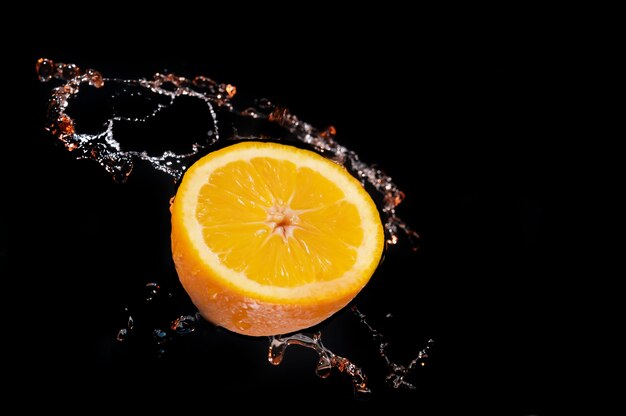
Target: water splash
(327,359)
(396,376)
(397,373)
(163,334)
(162,91)
(105,149)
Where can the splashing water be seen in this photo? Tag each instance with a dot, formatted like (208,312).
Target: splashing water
(107,151)
(162,91)
(327,359)
(396,372)
(180,326)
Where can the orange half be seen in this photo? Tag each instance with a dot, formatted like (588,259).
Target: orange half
(270,239)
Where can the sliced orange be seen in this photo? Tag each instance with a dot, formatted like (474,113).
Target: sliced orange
(270,239)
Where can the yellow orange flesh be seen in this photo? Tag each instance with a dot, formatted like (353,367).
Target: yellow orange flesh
(269,238)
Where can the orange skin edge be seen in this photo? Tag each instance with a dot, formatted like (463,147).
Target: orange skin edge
(230,312)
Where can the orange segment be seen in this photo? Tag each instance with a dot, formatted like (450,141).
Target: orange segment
(269,238)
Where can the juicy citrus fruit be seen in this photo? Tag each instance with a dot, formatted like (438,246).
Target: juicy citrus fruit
(269,238)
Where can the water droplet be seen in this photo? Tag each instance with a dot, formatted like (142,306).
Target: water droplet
(231,90)
(324,367)
(94,78)
(393,239)
(45,69)
(203,82)
(393,199)
(63,127)
(152,291)
(122,334)
(67,71)
(184,324)
(276,351)
(159,335)
(361,391)
(240,320)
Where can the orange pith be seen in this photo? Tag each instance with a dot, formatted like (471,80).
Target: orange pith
(269,238)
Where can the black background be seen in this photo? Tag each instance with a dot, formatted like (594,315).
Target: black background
(467,123)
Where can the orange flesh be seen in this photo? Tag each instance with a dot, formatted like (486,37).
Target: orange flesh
(300,227)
